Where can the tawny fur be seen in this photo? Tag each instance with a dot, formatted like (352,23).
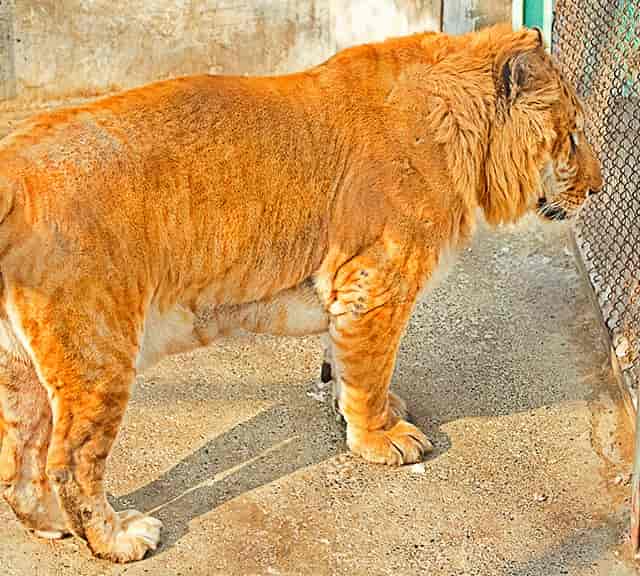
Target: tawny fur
(155,221)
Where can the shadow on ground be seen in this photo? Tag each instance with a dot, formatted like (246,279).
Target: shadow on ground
(230,465)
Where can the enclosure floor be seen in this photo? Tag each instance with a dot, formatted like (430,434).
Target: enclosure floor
(236,449)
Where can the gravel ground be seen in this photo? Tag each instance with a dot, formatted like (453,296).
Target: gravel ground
(236,448)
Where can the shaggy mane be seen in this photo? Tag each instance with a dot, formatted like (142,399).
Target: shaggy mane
(492,142)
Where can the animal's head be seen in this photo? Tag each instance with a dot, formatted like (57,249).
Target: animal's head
(538,155)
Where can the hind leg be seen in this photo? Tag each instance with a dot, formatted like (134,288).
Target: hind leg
(25,421)
(329,374)
(327,369)
(89,404)
(85,351)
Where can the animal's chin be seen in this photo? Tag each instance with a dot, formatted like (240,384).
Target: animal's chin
(551,211)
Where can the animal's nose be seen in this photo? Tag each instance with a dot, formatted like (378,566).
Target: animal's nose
(592,192)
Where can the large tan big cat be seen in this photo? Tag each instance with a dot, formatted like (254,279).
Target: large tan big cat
(157,220)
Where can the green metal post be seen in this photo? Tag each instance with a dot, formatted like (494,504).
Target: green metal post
(530,13)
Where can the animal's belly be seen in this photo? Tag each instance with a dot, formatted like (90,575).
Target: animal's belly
(164,334)
(293,312)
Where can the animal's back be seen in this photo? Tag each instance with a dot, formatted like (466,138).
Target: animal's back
(207,175)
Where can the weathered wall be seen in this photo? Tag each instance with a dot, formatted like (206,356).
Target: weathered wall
(461,16)
(358,21)
(77,47)
(52,49)
(7,52)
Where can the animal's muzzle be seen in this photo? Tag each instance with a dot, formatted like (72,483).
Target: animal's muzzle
(551,211)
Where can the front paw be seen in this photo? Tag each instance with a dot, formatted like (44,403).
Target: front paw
(403,443)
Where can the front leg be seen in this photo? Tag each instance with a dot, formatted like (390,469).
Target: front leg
(372,303)
(327,374)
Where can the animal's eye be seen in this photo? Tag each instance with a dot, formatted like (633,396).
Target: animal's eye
(573,139)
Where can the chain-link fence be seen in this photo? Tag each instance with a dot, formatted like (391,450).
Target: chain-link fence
(597,43)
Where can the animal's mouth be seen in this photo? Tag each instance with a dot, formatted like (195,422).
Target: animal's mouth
(551,210)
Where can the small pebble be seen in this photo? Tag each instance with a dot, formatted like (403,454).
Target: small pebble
(541,497)
(319,396)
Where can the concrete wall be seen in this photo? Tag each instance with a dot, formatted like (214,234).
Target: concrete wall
(461,16)
(7,50)
(54,49)
(359,21)
(79,47)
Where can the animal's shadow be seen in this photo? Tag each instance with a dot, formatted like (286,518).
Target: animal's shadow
(255,452)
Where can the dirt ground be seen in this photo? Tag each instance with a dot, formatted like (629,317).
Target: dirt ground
(236,449)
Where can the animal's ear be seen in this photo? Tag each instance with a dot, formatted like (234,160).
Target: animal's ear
(519,62)
(516,73)
(540,36)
